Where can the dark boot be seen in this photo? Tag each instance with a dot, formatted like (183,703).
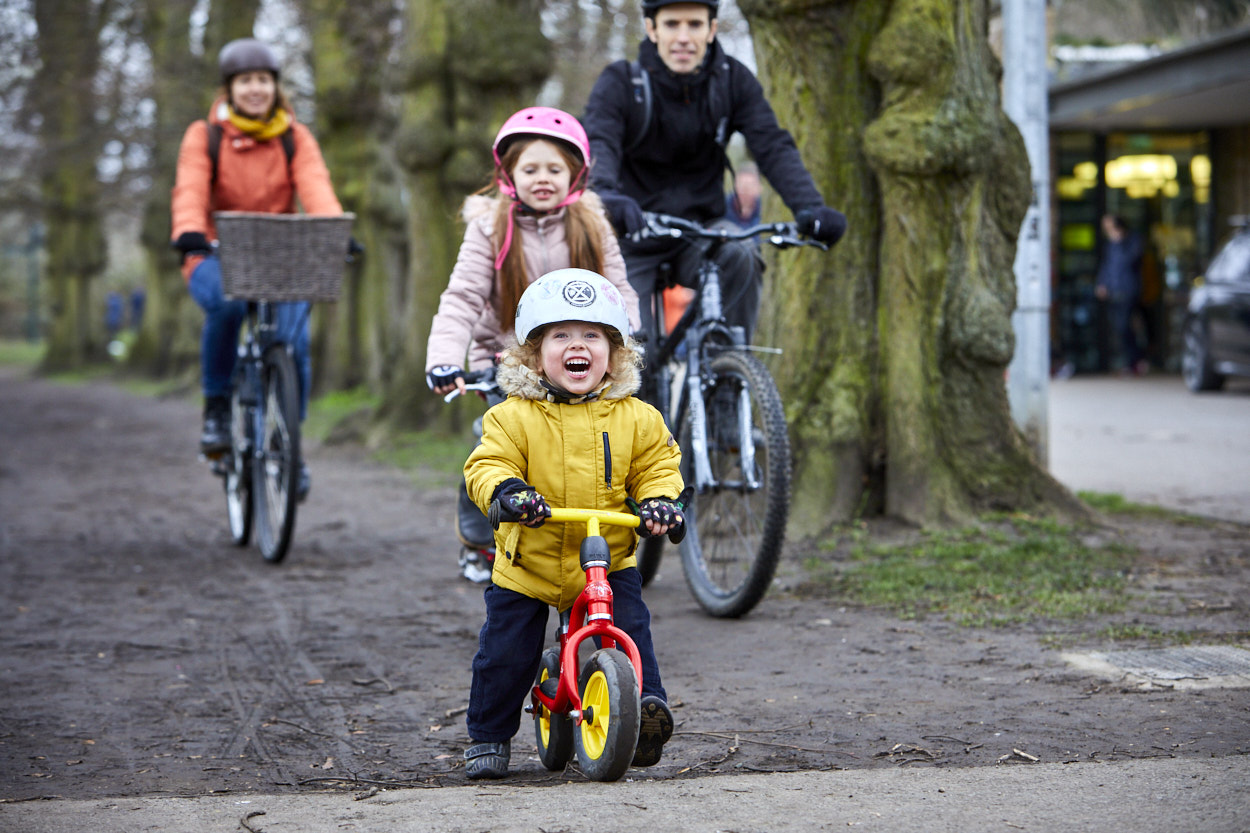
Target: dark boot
(215,437)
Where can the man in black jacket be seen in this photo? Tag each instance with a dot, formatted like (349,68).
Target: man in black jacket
(658,130)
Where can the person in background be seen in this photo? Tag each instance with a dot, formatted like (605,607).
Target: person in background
(1119,285)
(742,204)
(264,160)
(535,215)
(668,154)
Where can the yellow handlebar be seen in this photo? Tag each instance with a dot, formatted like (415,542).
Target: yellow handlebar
(593,517)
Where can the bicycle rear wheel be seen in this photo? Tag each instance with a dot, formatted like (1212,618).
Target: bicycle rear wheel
(736,524)
(651,550)
(275,468)
(238,475)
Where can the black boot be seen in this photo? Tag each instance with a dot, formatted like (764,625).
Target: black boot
(215,438)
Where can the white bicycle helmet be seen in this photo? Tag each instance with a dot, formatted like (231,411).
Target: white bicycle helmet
(571,295)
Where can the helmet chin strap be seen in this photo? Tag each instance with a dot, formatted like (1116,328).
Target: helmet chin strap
(506,187)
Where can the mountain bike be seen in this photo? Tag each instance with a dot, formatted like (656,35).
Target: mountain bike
(266,259)
(722,404)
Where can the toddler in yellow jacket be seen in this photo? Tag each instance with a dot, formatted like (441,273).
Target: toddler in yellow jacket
(570,432)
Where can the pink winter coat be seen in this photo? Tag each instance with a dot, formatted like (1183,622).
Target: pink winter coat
(466,320)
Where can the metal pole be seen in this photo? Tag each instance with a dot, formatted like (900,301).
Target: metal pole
(1025,101)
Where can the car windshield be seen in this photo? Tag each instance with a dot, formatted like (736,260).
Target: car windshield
(1233,263)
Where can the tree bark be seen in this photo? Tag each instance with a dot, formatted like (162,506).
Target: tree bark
(355,340)
(473,64)
(63,92)
(897,385)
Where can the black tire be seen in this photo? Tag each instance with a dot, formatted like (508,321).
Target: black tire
(658,392)
(735,530)
(650,554)
(238,476)
(275,469)
(605,743)
(552,732)
(1196,367)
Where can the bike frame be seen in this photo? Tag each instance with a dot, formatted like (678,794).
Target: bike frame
(592,612)
(703,328)
(260,333)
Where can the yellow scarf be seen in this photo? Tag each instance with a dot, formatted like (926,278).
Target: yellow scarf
(262,131)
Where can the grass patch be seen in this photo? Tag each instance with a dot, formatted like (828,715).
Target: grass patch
(20,353)
(1115,504)
(428,453)
(1006,570)
(337,408)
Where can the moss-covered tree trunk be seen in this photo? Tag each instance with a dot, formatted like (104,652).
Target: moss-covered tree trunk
(473,63)
(183,86)
(63,93)
(895,386)
(352,343)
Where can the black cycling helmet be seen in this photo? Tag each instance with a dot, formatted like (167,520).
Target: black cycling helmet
(650,7)
(246,55)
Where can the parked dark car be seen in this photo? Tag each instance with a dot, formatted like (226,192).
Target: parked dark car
(1217,324)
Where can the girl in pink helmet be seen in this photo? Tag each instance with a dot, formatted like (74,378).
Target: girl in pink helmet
(535,216)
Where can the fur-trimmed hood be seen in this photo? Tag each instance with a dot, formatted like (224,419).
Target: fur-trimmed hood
(516,378)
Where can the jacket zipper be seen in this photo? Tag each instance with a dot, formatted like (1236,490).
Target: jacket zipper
(607,462)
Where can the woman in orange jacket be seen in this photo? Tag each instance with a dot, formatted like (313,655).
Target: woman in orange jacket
(249,155)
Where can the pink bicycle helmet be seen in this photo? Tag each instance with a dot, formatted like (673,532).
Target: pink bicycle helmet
(548,123)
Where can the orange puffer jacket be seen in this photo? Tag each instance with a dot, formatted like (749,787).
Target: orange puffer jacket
(251,176)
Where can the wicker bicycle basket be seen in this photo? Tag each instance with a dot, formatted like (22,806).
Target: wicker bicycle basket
(282,257)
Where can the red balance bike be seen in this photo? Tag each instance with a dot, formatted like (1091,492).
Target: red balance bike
(596,712)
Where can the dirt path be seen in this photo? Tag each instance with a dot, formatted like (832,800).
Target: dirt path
(143,655)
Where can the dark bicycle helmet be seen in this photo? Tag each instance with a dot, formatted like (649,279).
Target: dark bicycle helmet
(649,7)
(246,55)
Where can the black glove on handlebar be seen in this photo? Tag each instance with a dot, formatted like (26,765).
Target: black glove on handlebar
(663,511)
(623,211)
(443,375)
(515,501)
(821,223)
(192,242)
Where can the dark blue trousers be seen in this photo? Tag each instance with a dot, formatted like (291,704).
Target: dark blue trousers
(510,649)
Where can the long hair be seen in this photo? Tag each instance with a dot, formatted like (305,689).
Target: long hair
(582,230)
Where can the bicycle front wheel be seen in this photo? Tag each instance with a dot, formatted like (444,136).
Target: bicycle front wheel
(736,524)
(275,465)
(238,476)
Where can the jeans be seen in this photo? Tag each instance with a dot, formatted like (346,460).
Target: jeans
(510,648)
(223,318)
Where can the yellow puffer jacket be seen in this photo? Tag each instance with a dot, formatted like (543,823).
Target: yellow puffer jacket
(589,455)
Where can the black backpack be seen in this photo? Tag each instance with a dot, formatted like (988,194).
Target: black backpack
(214,147)
(640,81)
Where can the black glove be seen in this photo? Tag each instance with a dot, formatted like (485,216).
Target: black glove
(663,511)
(623,211)
(353,248)
(822,223)
(443,375)
(515,501)
(192,242)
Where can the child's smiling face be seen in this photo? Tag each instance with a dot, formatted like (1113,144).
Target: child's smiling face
(541,176)
(575,355)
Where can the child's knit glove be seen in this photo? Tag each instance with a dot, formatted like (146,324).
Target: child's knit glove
(515,501)
(665,512)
